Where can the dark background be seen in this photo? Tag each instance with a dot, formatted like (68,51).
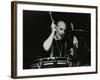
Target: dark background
(36,28)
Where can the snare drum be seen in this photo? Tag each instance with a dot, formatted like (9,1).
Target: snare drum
(51,62)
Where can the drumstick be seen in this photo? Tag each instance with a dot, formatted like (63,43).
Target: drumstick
(72,26)
(50,13)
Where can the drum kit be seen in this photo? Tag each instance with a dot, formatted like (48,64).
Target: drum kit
(55,62)
(51,62)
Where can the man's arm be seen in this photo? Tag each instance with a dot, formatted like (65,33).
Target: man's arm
(48,42)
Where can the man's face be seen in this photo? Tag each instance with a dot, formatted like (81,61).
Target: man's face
(60,31)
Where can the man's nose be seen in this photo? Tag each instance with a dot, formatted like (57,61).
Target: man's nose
(63,32)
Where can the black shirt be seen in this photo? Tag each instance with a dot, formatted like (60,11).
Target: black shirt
(58,48)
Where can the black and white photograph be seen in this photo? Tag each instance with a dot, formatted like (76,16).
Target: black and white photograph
(56,39)
(53,39)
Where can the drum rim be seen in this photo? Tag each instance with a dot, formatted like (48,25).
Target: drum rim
(49,58)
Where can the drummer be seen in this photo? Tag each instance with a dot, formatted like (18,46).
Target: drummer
(56,45)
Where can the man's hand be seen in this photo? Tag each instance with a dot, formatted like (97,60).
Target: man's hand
(72,51)
(53,27)
(75,41)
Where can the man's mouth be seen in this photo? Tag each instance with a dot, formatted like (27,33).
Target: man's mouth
(61,35)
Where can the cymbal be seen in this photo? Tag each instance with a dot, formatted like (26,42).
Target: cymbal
(79,30)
